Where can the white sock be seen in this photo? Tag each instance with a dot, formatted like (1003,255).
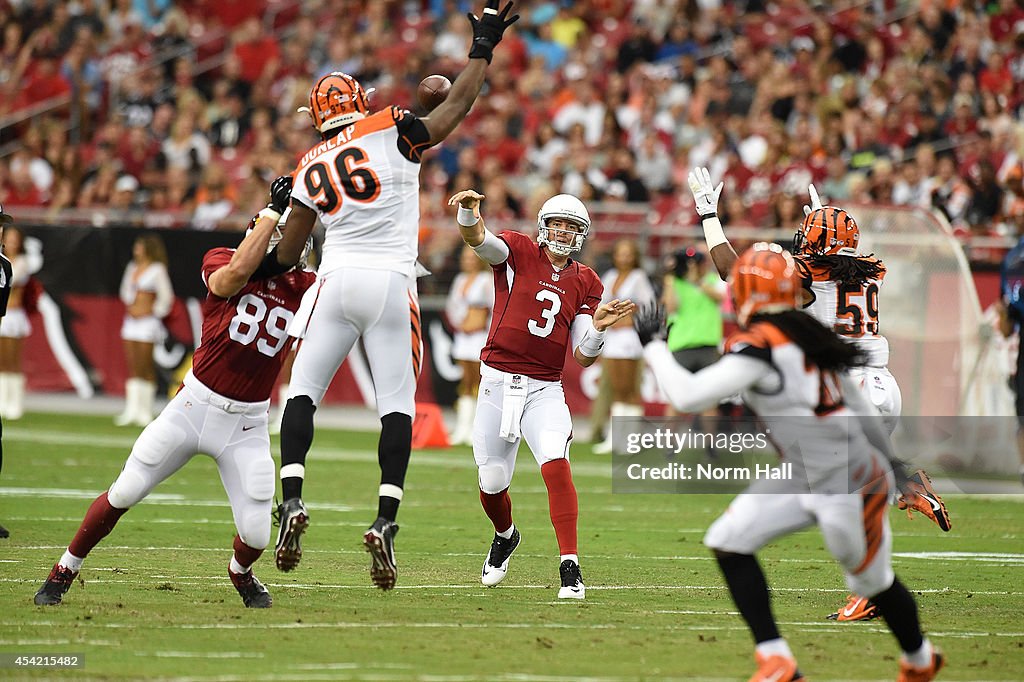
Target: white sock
(922,658)
(69,560)
(572,557)
(774,647)
(237,568)
(507,533)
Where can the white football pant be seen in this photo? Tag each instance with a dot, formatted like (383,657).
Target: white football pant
(545,424)
(377,305)
(233,433)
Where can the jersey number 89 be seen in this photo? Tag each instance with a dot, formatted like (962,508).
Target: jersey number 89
(250,314)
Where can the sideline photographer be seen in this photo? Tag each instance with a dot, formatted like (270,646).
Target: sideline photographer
(692,297)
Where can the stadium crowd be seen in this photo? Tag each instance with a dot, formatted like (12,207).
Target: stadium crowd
(179,113)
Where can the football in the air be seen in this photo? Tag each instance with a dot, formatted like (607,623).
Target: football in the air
(432,91)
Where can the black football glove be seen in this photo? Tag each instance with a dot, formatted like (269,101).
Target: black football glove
(280,193)
(649,322)
(488,30)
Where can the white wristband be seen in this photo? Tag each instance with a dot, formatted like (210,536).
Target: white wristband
(592,343)
(466,217)
(270,213)
(714,235)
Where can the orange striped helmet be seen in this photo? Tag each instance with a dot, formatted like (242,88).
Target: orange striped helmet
(827,231)
(764,279)
(337,99)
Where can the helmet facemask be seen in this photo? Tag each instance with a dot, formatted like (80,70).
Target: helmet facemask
(547,237)
(569,209)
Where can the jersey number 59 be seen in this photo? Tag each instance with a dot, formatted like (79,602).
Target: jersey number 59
(252,317)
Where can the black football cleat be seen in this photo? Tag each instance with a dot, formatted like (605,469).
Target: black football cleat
(380,543)
(57,583)
(4,533)
(293,519)
(496,563)
(572,581)
(253,593)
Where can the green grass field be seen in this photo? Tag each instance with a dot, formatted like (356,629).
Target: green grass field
(154,599)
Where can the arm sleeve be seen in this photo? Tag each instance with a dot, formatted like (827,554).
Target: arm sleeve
(413,136)
(689,392)
(492,249)
(581,324)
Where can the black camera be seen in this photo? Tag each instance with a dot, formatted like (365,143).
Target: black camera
(680,262)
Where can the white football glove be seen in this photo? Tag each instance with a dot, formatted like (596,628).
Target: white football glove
(815,201)
(705,195)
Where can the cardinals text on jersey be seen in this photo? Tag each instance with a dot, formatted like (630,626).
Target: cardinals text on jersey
(534,306)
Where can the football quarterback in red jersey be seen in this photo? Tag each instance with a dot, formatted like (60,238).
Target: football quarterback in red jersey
(542,300)
(221,408)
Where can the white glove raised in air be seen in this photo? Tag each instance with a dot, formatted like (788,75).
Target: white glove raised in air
(705,195)
(815,201)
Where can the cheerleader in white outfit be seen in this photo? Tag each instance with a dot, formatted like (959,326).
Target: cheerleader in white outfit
(15,326)
(623,355)
(147,294)
(468,308)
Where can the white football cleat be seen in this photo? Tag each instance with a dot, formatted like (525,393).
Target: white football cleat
(572,581)
(496,563)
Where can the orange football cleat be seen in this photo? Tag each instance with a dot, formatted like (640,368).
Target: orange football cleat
(776,669)
(857,608)
(909,673)
(920,496)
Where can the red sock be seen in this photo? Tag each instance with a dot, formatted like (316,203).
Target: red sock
(97,524)
(562,503)
(244,554)
(498,507)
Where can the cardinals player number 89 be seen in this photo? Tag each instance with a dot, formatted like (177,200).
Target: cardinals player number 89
(245,325)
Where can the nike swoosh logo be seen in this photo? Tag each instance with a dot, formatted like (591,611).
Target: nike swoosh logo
(932,501)
(850,610)
(246,428)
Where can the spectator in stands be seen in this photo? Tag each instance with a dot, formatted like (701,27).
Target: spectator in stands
(622,358)
(147,294)
(213,201)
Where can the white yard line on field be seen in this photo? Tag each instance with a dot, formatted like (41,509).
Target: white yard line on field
(206,581)
(201,654)
(455,460)
(803,626)
(985,558)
